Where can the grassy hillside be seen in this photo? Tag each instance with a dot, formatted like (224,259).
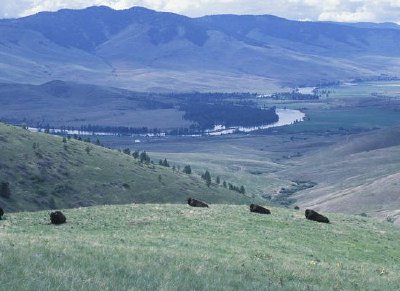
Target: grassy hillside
(175,247)
(359,174)
(45,172)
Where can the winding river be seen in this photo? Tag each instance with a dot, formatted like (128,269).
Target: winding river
(286,117)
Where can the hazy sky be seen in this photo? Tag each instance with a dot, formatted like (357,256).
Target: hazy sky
(334,10)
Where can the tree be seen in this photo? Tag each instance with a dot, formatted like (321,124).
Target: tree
(64,139)
(144,158)
(5,190)
(218,180)
(127,151)
(187,169)
(224,184)
(135,154)
(207,177)
(165,163)
(242,190)
(98,143)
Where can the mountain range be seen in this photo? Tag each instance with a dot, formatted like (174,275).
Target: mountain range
(146,50)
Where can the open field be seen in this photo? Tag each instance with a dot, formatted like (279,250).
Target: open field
(175,247)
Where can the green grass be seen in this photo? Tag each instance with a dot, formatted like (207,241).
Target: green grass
(345,120)
(44,172)
(175,247)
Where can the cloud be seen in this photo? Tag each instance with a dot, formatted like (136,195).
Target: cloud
(327,10)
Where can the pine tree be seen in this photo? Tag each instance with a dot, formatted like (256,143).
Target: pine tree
(207,177)
(187,169)
(165,163)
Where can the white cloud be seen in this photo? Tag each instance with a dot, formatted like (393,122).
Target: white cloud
(332,10)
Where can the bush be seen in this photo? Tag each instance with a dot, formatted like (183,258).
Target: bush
(5,190)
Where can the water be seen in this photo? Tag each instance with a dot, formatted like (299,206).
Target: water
(286,117)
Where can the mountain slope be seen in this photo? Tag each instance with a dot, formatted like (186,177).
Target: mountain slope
(45,172)
(143,50)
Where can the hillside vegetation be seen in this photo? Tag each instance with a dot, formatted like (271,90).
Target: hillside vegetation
(176,247)
(44,172)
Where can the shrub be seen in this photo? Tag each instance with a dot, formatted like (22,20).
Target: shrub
(5,190)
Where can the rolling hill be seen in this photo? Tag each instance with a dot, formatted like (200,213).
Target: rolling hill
(357,175)
(45,172)
(147,50)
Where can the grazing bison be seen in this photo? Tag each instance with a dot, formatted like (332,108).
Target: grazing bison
(259,209)
(315,216)
(196,203)
(1,212)
(57,217)
(296,207)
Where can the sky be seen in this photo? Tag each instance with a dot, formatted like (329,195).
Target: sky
(321,10)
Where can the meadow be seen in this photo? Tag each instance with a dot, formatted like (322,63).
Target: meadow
(176,247)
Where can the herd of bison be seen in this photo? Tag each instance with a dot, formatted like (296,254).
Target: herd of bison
(57,217)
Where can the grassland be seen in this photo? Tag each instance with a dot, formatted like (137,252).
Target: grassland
(175,247)
(347,146)
(45,172)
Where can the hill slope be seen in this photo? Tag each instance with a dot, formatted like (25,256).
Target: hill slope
(44,172)
(143,50)
(175,247)
(358,175)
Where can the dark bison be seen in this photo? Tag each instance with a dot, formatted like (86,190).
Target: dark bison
(315,216)
(259,209)
(1,212)
(57,217)
(196,203)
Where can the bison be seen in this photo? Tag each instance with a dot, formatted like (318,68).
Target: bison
(1,212)
(196,203)
(57,217)
(315,216)
(259,209)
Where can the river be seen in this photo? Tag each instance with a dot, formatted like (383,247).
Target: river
(286,117)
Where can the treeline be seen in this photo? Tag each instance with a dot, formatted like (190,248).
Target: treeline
(208,115)
(210,97)
(294,95)
(124,130)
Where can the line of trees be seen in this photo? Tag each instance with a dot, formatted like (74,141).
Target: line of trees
(209,115)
